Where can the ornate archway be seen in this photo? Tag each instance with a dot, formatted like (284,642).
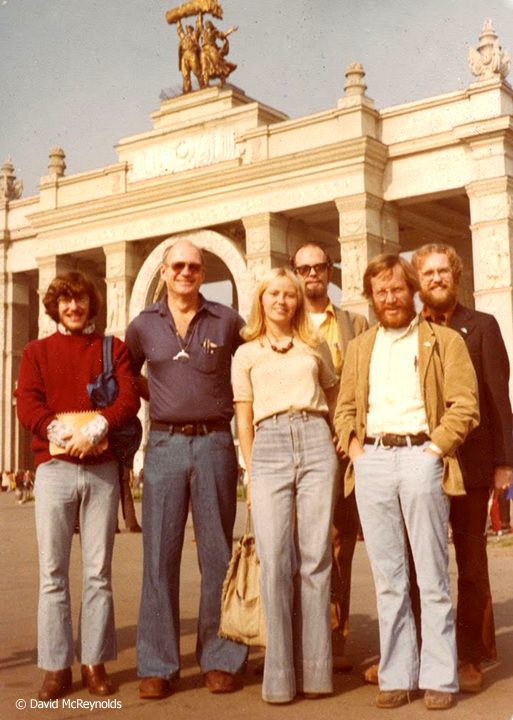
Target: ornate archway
(209,240)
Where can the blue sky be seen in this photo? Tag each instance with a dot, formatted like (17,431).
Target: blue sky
(82,75)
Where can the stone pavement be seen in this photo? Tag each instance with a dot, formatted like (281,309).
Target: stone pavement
(352,700)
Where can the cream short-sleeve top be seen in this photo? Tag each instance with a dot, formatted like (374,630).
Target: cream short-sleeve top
(277,383)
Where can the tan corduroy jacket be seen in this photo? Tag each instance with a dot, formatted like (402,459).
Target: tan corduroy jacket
(449,388)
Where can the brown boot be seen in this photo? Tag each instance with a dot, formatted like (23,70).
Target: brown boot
(470,678)
(96,679)
(371,674)
(391,698)
(57,683)
(437,700)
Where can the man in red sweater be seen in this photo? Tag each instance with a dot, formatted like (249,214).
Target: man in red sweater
(76,472)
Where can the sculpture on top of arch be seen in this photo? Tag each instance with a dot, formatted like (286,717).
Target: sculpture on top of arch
(199,52)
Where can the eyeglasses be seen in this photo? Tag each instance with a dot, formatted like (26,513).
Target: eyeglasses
(79,299)
(179,266)
(305,270)
(444,272)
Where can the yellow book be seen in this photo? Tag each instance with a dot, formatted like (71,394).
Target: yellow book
(77,420)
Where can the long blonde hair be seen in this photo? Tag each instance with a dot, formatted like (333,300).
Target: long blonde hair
(301,324)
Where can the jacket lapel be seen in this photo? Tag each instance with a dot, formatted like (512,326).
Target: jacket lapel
(427,341)
(365,348)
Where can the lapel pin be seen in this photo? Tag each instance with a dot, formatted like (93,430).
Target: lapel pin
(464,330)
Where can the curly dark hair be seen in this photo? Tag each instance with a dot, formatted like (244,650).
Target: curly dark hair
(71,284)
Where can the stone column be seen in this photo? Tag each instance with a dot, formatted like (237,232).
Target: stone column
(123,262)
(14,325)
(266,245)
(491,213)
(367,228)
(49,267)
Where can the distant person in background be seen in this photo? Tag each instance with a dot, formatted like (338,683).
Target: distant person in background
(314,267)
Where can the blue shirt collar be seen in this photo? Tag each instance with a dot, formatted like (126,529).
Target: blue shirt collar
(205,306)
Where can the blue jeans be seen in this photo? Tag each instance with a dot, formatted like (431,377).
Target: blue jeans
(60,489)
(294,462)
(202,469)
(400,489)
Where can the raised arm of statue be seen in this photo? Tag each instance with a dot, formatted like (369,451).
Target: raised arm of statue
(179,29)
(199,22)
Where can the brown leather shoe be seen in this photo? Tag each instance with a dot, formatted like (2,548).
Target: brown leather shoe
(56,684)
(436,700)
(470,678)
(391,698)
(219,681)
(154,688)
(371,674)
(341,664)
(96,679)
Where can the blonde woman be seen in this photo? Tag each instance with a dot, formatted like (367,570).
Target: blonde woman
(284,390)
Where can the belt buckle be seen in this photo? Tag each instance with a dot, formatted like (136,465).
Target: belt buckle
(383,441)
(188,430)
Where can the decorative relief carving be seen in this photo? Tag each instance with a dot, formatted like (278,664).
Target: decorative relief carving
(492,266)
(116,305)
(353,263)
(10,189)
(186,153)
(352,223)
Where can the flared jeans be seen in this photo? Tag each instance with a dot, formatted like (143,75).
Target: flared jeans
(61,489)
(293,474)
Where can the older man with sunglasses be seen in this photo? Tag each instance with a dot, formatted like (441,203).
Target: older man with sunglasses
(187,342)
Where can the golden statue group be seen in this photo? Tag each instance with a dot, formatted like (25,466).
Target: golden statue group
(199,52)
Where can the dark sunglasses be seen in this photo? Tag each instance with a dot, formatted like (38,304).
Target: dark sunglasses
(304,270)
(178,267)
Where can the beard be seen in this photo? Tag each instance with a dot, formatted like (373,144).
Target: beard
(443,300)
(315,291)
(400,319)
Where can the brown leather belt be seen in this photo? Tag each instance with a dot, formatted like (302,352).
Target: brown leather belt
(190,429)
(390,440)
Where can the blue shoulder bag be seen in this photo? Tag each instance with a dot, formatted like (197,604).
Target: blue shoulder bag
(123,440)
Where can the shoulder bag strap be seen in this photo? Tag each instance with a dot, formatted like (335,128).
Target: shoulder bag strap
(107,354)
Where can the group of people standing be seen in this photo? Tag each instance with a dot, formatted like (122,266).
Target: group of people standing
(410,421)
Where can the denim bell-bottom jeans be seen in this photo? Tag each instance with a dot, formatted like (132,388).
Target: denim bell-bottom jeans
(399,489)
(293,470)
(204,470)
(60,489)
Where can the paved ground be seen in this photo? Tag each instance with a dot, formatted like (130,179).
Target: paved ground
(352,700)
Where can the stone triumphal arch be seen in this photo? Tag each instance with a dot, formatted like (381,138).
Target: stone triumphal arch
(248,185)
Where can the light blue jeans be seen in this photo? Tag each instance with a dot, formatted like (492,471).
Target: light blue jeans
(294,464)
(177,468)
(400,489)
(60,489)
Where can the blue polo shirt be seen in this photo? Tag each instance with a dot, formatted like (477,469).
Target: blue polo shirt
(189,389)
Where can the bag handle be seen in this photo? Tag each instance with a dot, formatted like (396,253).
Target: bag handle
(249,522)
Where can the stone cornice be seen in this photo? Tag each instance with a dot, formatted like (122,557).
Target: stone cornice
(210,181)
(84,176)
(485,129)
